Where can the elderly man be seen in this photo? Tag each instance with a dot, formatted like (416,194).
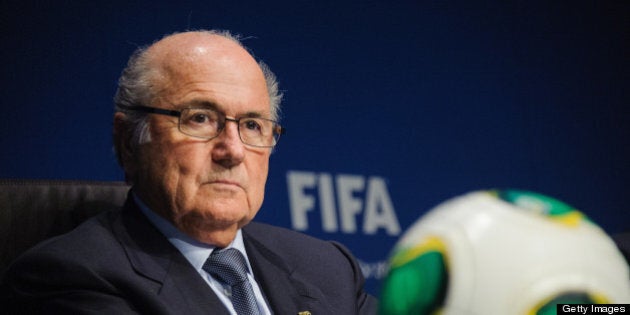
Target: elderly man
(195,125)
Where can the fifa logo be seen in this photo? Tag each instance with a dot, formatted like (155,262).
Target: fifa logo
(345,201)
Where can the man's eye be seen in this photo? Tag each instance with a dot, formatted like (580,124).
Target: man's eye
(199,118)
(252,125)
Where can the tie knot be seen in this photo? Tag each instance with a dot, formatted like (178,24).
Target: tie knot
(227,265)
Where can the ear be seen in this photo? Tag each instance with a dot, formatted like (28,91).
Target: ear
(122,137)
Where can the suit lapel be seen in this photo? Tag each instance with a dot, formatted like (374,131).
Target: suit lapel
(153,257)
(285,294)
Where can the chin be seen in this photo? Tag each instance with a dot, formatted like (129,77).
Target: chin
(224,216)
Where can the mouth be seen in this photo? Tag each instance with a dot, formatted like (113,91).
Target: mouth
(225,182)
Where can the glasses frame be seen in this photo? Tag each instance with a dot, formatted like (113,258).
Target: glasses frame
(277,130)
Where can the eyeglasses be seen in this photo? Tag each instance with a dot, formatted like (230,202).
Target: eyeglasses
(207,123)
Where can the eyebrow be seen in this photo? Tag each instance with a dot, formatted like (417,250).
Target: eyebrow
(196,103)
(199,104)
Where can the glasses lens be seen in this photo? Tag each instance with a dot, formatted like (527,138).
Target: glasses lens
(198,122)
(258,132)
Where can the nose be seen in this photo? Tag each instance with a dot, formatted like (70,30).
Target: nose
(228,150)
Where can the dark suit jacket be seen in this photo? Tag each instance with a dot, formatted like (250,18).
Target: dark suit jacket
(119,263)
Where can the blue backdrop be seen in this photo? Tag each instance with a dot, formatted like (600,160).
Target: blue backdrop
(391,106)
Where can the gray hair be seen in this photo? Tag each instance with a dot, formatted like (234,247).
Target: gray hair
(136,88)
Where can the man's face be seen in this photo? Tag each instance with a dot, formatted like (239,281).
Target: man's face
(207,188)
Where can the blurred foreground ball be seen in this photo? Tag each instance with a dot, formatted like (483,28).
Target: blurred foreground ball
(502,252)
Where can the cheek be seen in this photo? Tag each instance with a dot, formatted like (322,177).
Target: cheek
(182,153)
(258,176)
(174,165)
(191,161)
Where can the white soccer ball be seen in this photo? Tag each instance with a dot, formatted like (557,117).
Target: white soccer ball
(503,252)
